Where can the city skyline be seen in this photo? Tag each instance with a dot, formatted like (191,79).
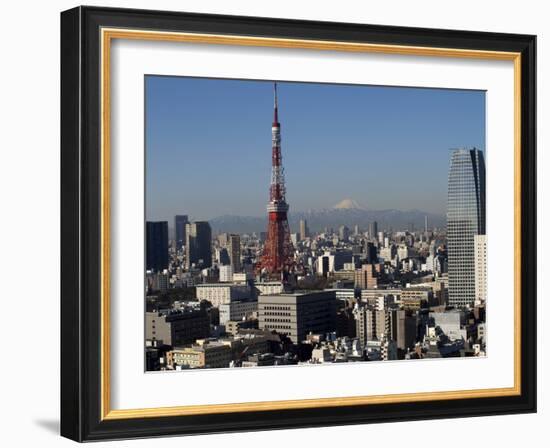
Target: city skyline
(191,122)
(237,300)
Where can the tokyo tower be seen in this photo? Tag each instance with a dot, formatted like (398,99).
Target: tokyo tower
(277,257)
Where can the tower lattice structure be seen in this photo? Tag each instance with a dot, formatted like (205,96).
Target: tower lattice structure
(277,257)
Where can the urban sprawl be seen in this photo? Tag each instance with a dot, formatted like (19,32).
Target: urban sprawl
(348,294)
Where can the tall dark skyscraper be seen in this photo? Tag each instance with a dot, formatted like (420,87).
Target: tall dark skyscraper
(198,244)
(373,230)
(370,252)
(179,228)
(234,249)
(156,245)
(304,230)
(465,219)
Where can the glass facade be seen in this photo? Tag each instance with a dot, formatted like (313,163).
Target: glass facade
(465,218)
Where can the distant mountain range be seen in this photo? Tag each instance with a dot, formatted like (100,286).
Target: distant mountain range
(347,212)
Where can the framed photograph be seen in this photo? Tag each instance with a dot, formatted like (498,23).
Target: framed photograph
(276,224)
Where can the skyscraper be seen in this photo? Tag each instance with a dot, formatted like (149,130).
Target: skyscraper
(234,249)
(156,245)
(304,231)
(179,228)
(465,219)
(198,244)
(373,230)
(343,233)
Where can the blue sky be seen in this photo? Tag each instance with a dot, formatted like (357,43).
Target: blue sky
(208,145)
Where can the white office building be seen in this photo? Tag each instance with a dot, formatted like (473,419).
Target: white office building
(220,293)
(480,263)
(237,310)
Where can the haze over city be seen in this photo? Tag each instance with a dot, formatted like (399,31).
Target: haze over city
(208,145)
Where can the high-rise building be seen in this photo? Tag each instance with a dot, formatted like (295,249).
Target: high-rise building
(304,230)
(343,233)
(401,327)
(223,239)
(370,324)
(198,244)
(179,228)
(373,230)
(465,219)
(480,251)
(226,273)
(366,277)
(371,253)
(278,252)
(234,249)
(156,245)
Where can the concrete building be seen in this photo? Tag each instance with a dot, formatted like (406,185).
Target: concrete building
(243,344)
(208,355)
(226,273)
(298,314)
(404,251)
(417,297)
(304,230)
(331,262)
(237,310)
(388,349)
(220,293)
(242,278)
(269,288)
(366,277)
(320,355)
(158,281)
(450,323)
(178,327)
(235,326)
(401,327)
(367,294)
(480,257)
(370,324)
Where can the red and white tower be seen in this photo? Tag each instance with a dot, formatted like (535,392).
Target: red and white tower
(277,257)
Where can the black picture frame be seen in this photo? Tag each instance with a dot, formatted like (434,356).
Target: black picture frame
(81,224)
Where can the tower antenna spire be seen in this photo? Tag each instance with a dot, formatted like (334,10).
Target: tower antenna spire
(275,104)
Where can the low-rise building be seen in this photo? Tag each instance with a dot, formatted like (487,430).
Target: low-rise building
(207,355)
(177,327)
(269,288)
(234,326)
(237,310)
(220,293)
(297,314)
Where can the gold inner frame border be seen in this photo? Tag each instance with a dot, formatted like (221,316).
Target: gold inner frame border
(107,35)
